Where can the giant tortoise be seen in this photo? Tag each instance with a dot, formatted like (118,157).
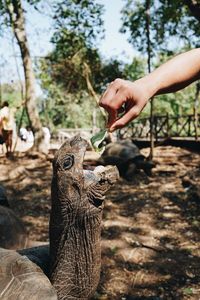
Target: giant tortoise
(127,157)
(72,261)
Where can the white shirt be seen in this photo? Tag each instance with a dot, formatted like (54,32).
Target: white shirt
(7,118)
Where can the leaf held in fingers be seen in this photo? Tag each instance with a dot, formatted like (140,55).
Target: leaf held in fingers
(97,139)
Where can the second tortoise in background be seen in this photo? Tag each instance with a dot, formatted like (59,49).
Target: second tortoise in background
(127,157)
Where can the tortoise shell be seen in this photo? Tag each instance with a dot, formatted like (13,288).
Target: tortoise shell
(21,279)
(120,153)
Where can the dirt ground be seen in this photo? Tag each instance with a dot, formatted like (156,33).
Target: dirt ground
(151,226)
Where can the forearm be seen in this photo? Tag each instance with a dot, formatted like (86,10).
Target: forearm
(172,76)
(175,74)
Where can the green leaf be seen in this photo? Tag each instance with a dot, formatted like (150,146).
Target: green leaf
(97,139)
(188,291)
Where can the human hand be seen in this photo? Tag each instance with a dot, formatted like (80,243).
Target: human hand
(125,97)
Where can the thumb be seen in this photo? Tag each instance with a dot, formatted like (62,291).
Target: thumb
(126,118)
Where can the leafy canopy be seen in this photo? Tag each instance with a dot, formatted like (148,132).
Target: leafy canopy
(172,25)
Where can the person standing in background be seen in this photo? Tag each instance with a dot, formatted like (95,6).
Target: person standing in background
(8,125)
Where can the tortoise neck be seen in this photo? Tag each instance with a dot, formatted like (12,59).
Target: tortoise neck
(74,246)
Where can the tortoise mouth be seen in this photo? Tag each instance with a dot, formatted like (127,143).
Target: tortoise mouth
(88,167)
(109,174)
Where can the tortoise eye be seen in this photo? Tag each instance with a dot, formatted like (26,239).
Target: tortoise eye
(68,162)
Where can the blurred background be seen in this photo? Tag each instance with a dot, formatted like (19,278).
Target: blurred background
(56,59)
(76,48)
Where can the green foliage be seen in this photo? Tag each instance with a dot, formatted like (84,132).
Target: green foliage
(66,102)
(69,72)
(180,103)
(64,74)
(133,22)
(69,110)
(136,69)
(172,28)
(12,94)
(1,6)
(4,19)
(174,19)
(63,77)
(78,24)
(171,25)
(106,72)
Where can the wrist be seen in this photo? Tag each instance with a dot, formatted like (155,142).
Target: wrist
(149,85)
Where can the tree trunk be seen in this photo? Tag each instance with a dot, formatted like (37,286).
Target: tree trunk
(0,88)
(91,90)
(147,4)
(196,105)
(15,11)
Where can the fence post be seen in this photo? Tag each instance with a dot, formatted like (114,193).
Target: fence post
(189,126)
(167,120)
(155,127)
(196,116)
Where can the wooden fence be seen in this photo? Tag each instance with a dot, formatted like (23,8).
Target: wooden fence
(164,126)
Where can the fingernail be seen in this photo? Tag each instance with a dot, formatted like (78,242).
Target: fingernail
(111,129)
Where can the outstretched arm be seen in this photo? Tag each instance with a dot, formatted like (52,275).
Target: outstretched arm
(172,76)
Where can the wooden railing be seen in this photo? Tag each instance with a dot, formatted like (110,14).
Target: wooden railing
(164,126)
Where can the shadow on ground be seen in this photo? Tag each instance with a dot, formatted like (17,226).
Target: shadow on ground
(150,234)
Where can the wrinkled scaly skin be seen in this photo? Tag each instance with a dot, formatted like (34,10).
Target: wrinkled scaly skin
(75,221)
(3,197)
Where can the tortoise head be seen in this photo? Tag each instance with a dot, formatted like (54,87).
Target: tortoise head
(72,183)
